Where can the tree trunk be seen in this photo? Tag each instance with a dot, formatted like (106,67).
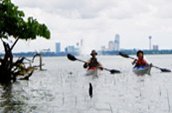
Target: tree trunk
(10,70)
(6,65)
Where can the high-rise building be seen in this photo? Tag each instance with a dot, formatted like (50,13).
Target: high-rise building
(81,42)
(155,47)
(72,49)
(117,42)
(111,45)
(58,47)
(103,48)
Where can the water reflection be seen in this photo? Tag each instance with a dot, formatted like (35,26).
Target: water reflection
(9,103)
(63,88)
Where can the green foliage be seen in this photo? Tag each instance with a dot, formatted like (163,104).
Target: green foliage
(12,23)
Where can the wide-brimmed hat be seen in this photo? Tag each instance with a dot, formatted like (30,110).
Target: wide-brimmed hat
(93,52)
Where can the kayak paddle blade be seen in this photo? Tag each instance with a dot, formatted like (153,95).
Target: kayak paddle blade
(162,69)
(71,57)
(123,55)
(114,71)
(165,70)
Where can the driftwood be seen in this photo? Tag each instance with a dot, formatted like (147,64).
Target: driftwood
(10,71)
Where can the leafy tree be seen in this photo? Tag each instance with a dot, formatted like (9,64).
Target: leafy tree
(13,24)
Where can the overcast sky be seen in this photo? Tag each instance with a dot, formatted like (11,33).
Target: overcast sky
(97,22)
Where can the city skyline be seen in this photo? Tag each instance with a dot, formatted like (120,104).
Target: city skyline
(96,22)
(110,45)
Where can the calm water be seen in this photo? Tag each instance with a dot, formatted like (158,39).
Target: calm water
(63,88)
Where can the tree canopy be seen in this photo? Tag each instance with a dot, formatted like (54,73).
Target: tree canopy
(12,23)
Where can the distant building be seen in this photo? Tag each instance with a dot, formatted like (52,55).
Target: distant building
(46,50)
(103,48)
(117,42)
(81,42)
(72,49)
(111,45)
(58,47)
(155,47)
(81,47)
(150,42)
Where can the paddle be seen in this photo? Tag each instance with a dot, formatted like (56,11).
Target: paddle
(73,58)
(127,56)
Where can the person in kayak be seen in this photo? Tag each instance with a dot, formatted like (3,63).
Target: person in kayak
(140,61)
(93,63)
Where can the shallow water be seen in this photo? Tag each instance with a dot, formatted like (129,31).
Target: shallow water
(63,88)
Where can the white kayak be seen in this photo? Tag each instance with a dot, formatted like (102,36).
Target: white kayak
(142,70)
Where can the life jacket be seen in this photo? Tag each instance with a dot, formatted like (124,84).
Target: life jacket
(141,62)
(93,63)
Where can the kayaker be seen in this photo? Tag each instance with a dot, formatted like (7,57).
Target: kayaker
(93,63)
(140,61)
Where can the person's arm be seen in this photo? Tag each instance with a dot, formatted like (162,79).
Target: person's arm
(134,62)
(100,66)
(86,64)
(146,63)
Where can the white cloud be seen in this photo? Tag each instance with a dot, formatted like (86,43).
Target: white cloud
(97,21)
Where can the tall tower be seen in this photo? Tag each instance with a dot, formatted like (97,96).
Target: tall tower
(81,42)
(150,42)
(58,47)
(111,46)
(81,48)
(117,42)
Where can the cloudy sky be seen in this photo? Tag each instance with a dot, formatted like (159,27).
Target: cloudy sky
(97,22)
